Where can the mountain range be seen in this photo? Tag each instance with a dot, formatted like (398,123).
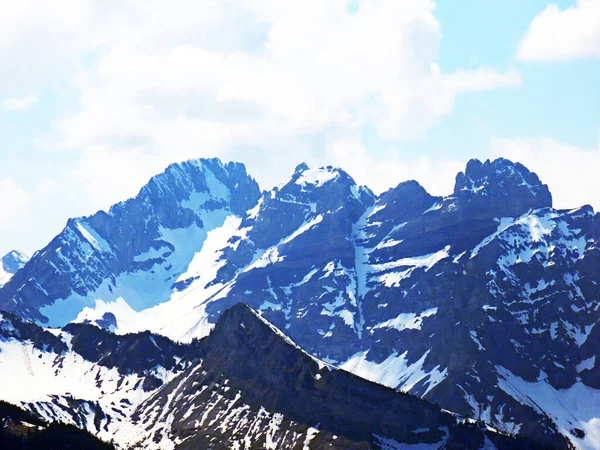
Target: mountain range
(484,302)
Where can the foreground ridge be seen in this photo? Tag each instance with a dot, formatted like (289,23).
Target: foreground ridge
(246,385)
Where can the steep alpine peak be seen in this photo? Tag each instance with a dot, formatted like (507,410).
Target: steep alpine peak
(507,188)
(243,318)
(501,174)
(306,180)
(10,263)
(402,203)
(219,182)
(14,260)
(136,250)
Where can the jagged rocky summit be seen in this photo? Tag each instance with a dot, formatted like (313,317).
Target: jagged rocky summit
(136,249)
(484,301)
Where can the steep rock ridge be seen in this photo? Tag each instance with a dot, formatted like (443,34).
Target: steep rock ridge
(10,263)
(137,249)
(499,188)
(245,386)
(256,389)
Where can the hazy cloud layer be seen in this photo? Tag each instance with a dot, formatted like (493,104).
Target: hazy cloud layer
(226,78)
(13,203)
(268,83)
(19,103)
(555,35)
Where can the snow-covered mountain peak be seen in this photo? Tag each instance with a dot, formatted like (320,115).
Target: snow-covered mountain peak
(317,177)
(14,260)
(138,249)
(201,184)
(306,179)
(306,195)
(10,263)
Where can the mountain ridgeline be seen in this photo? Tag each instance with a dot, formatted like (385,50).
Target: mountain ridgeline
(485,301)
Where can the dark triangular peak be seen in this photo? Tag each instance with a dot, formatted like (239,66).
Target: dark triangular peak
(248,361)
(404,202)
(500,188)
(273,372)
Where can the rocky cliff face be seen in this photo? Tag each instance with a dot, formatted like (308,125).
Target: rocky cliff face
(245,386)
(485,301)
(138,248)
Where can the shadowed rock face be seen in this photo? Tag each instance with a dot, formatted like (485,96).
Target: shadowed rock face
(253,387)
(246,384)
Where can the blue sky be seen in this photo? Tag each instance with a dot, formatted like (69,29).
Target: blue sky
(94,99)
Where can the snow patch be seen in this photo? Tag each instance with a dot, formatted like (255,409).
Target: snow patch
(412,321)
(586,364)
(395,371)
(317,177)
(93,237)
(575,407)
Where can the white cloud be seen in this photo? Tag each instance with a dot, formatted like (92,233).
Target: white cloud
(570,172)
(268,82)
(19,103)
(283,72)
(556,35)
(13,203)
(482,79)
